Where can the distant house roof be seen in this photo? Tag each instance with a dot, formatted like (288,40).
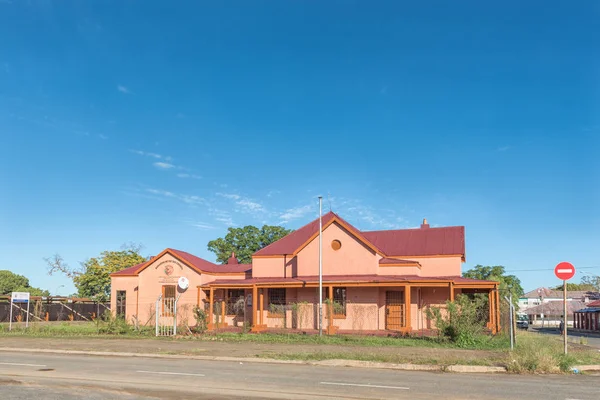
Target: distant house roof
(558,294)
(196,263)
(422,241)
(555,308)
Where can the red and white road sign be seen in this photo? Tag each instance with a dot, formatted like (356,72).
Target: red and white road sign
(564,271)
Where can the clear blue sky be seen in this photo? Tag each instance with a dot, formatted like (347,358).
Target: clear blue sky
(164,123)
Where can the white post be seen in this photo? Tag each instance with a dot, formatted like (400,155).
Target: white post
(11,314)
(156,313)
(320,266)
(510,319)
(566,320)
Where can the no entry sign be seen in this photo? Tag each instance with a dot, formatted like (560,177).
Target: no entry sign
(564,271)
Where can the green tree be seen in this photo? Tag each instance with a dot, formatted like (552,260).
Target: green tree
(92,279)
(584,287)
(245,242)
(508,283)
(11,282)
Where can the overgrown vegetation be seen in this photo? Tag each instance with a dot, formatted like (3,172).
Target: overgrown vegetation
(201,320)
(462,321)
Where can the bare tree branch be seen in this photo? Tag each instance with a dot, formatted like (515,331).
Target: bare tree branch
(57,264)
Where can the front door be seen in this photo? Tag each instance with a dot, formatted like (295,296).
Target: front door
(394,310)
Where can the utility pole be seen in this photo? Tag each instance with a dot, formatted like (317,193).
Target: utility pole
(320,265)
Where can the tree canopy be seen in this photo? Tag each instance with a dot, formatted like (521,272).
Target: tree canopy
(245,242)
(11,282)
(585,287)
(591,280)
(508,283)
(92,278)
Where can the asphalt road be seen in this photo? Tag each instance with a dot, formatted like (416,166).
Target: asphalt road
(49,376)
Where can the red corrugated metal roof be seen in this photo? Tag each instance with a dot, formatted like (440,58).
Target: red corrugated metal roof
(420,242)
(200,264)
(594,304)
(399,242)
(290,243)
(130,270)
(396,261)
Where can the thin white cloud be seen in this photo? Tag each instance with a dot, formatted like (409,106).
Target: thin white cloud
(180,115)
(189,176)
(250,205)
(188,199)
(202,225)
(229,196)
(123,89)
(163,165)
(103,137)
(150,154)
(504,148)
(221,216)
(271,193)
(296,213)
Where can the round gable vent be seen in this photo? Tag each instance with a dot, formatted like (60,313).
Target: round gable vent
(336,244)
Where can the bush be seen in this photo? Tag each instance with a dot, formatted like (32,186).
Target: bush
(463,321)
(111,324)
(201,320)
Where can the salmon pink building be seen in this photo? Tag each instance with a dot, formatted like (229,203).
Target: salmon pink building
(372,281)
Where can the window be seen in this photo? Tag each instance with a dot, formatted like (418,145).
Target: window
(339,301)
(277,297)
(276,302)
(235,302)
(168,300)
(121,303)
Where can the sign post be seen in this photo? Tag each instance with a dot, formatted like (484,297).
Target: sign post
(564,271)
(19,297)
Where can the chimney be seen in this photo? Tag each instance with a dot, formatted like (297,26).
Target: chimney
(232,259)
(424,225)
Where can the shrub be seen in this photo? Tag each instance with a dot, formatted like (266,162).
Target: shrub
(463,321)
(201,320)
(112,325)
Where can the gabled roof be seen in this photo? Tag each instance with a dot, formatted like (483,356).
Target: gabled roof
(196,263)
(558,294)
(594,304)
(420,241)
(391,243)
(297,240)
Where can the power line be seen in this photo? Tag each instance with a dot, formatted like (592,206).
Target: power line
(546,269)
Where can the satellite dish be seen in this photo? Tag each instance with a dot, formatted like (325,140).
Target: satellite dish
(183,283)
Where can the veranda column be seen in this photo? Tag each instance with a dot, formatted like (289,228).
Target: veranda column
(497,303)
(330,325)
(451,291)
(407,305)
(254,304)
(210,308)
(491,307)
(262,313)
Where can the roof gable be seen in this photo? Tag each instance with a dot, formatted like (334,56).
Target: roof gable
(197,264)
(297,240)
(391,243)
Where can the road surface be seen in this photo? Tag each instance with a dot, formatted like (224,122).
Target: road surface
(51,376)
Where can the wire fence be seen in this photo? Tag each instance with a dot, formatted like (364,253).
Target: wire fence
(58,311)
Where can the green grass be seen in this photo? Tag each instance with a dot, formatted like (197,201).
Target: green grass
(485,342)
(537,353)
(65,329)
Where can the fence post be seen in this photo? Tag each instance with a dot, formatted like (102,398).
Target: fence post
(156,313)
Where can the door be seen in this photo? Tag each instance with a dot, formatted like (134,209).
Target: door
(394,310)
